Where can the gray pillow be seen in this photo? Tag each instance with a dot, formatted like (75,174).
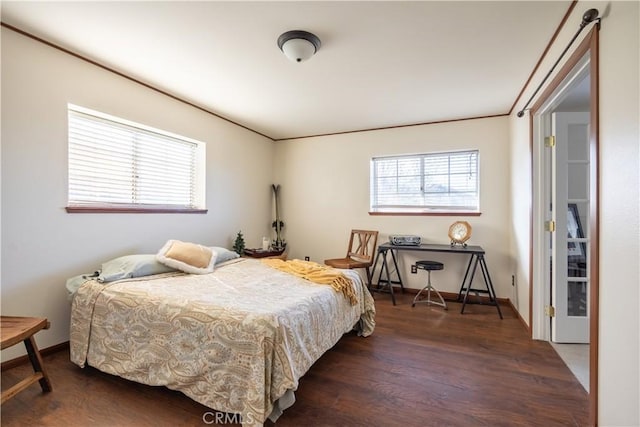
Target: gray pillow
(223,254)
(130,266)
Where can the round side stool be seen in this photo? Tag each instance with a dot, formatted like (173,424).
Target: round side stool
(429,266)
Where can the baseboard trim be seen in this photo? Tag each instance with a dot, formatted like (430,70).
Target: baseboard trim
(21,360)
(513,307)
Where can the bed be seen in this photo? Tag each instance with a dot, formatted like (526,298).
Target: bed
(236,340)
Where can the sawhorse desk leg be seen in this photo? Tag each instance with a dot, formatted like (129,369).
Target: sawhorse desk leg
(387,279)
(466,287)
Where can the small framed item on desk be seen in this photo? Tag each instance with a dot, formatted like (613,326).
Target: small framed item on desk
(459,233)
(266,253)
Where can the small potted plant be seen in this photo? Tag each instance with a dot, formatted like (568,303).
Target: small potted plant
(238,245)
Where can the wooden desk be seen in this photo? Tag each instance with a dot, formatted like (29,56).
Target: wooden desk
(476,257)
(16,329)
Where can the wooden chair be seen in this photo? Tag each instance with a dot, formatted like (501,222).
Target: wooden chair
(362,245)
(16,329)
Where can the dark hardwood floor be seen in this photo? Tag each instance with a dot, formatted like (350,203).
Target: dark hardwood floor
(423,366)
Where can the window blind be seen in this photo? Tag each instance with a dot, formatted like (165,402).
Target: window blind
(117,164)
(425,182)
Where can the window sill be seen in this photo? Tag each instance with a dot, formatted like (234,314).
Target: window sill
(425,213)
(116,209)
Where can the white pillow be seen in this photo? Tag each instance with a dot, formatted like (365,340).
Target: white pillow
(188,257)
(223,254)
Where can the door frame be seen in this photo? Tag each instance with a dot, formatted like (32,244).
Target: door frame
(541,295)
(588,45)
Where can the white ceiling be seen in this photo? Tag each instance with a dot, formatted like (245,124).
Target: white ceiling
(381,64)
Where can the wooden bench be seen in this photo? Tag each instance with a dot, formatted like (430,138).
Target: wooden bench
(16,329)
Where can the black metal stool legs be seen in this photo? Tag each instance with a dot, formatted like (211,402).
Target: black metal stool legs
(429,266)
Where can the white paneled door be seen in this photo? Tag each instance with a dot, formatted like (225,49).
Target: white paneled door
(569,243)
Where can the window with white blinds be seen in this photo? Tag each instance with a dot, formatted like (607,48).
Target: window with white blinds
(439,182)
(118,164)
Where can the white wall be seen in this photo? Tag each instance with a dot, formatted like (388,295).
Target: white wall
(619,160)
(325,193)
(42,245)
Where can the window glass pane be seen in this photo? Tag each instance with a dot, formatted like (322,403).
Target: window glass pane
(578,179)
(576,267)
(410,184)
(462,183)
(577,299)
(436,165)
(409,166)
(387,168)
(387,186)
(436,184)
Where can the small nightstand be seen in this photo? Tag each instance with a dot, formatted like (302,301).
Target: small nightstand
(259,253)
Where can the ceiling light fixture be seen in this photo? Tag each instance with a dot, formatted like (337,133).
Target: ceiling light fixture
(298,45)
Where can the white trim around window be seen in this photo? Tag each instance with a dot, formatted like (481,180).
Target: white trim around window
(116,165)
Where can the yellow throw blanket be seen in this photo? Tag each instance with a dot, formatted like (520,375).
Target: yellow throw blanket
(316,273)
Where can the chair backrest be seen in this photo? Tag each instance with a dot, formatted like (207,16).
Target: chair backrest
(362,245)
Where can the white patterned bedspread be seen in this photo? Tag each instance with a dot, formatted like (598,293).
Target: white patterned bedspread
(234,340)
